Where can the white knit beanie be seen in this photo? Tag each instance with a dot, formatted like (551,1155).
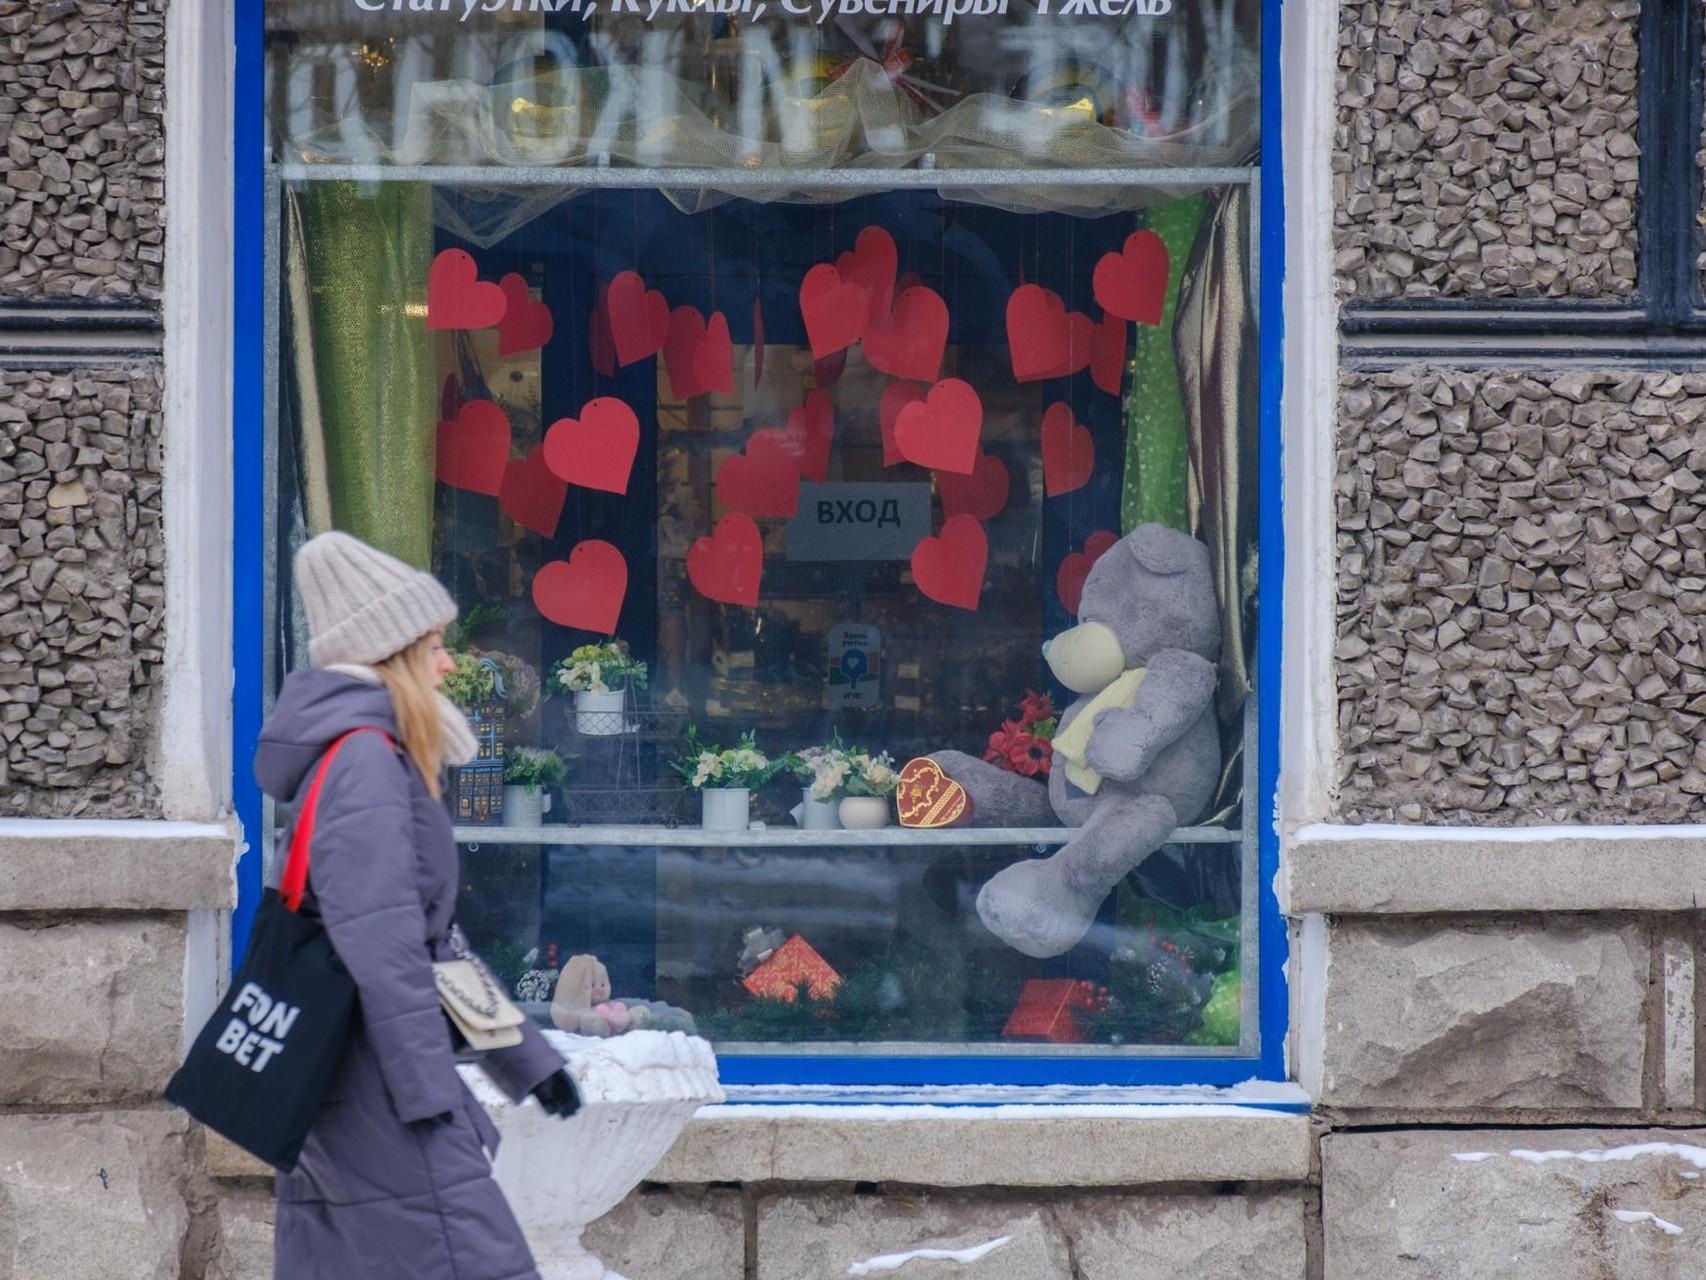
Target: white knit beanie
(363,605)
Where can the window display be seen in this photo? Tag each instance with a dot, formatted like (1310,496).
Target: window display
(858,591)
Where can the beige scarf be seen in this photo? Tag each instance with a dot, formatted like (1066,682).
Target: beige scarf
(460,745)
(1072,742)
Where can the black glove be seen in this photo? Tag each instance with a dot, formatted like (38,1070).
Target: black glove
(558,1095)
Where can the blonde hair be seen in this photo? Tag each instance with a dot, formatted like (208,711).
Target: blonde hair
(408,678)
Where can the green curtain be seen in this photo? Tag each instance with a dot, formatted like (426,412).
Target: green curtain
(366,250)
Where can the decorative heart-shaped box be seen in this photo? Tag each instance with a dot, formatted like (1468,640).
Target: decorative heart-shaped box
(927,797)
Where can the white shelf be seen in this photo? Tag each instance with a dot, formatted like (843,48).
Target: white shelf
(794,838)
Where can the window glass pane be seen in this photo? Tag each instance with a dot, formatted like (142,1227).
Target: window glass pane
(865,619)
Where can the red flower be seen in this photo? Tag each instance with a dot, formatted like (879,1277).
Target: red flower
(1030,755)
(1035,707)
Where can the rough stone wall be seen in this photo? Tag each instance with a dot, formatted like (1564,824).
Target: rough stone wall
(1486,149)
(82,593)
(1521,587)
(82,148)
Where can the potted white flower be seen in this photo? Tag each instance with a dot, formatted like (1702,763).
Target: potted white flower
(599,676)
(529,775)
(844,787)
(724,777)
(871,780)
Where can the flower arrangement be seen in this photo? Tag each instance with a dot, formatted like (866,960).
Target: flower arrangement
(470,681)
(835,771)
(742,765)
(1024,745)
(518,682)
(534,769)
(598,668)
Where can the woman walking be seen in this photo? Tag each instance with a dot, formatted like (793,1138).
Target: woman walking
(395,1178)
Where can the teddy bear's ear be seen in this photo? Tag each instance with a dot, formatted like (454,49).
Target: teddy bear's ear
(1162,550)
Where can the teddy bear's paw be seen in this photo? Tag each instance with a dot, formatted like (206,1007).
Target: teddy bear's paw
(1036,909)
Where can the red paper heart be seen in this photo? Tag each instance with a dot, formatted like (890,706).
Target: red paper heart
(896,396)
(942,432)
(680,348)
(450,398)
(601,344)
(456,296)
(949,567)
(910,343)
(1080,346)
(808,437)
(763,481)
(473,450)
(871,265)
(1069,452)
(639,318)
(728,565)
(835,310)
(1069,579)
(527,324)
(982,495)
(586,590)
(827,372)
(532,493)
(714,361)
(596,452)
(1038,337)
(1132,284)
(1107,354)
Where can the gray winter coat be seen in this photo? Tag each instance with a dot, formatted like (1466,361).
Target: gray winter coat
(395,1180)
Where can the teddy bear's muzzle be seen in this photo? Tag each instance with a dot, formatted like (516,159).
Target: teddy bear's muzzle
(1085,658)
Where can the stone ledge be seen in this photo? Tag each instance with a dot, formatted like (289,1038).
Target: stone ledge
(1395,870)
(49,864)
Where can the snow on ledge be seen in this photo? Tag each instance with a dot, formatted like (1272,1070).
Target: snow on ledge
(895,1261)
(112,829)
(1640,1215)
(1324,832)
(1693,1155)
(1252,1099)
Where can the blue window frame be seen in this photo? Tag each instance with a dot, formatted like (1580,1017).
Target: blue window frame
(253,474)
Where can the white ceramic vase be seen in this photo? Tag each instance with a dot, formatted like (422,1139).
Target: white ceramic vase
(525,806)
(638,1091)
(864,813)
(816,815)
(724,808)
(599,715)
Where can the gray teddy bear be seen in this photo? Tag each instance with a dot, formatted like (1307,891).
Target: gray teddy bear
(1146,758)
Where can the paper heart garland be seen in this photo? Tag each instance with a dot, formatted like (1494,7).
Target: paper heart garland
(1132,284)
(639,318)
(533,494)
(827,372)
(763,481)
(473,448)
(871,265)
(597,451)
(948,568)
(698,354)
(586,590)
(527,325)
(1069,451)
(1038,337)
(808,437)
(757,342)
(601,344)
(941,431)
(1107,354)
(896,396)
(1074,569)
(1080,346)
(835,310)
(981,495)
(456,296)
(728,565)
(910,343)
(450,398)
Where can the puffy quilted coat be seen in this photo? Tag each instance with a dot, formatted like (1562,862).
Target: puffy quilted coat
(395,1179)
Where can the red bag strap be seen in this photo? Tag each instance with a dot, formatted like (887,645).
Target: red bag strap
(295,878)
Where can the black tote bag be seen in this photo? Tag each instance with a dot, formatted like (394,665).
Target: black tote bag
(259,1068)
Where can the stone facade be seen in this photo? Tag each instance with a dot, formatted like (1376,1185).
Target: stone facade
(82,149)
(1521,585)
(82,590)
(1486,150)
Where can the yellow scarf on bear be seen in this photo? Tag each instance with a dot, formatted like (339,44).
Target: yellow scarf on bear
(1072,742)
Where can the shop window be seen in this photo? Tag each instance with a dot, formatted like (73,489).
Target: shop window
(674,328)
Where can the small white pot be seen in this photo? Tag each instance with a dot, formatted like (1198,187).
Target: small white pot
(525,806)
(599,715)
(816,815)
(864,813)
(724,808)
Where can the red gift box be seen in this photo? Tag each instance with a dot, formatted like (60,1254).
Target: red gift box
(796,964)
(1044,1011)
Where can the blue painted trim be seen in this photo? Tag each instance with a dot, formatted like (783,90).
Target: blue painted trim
(248,452)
